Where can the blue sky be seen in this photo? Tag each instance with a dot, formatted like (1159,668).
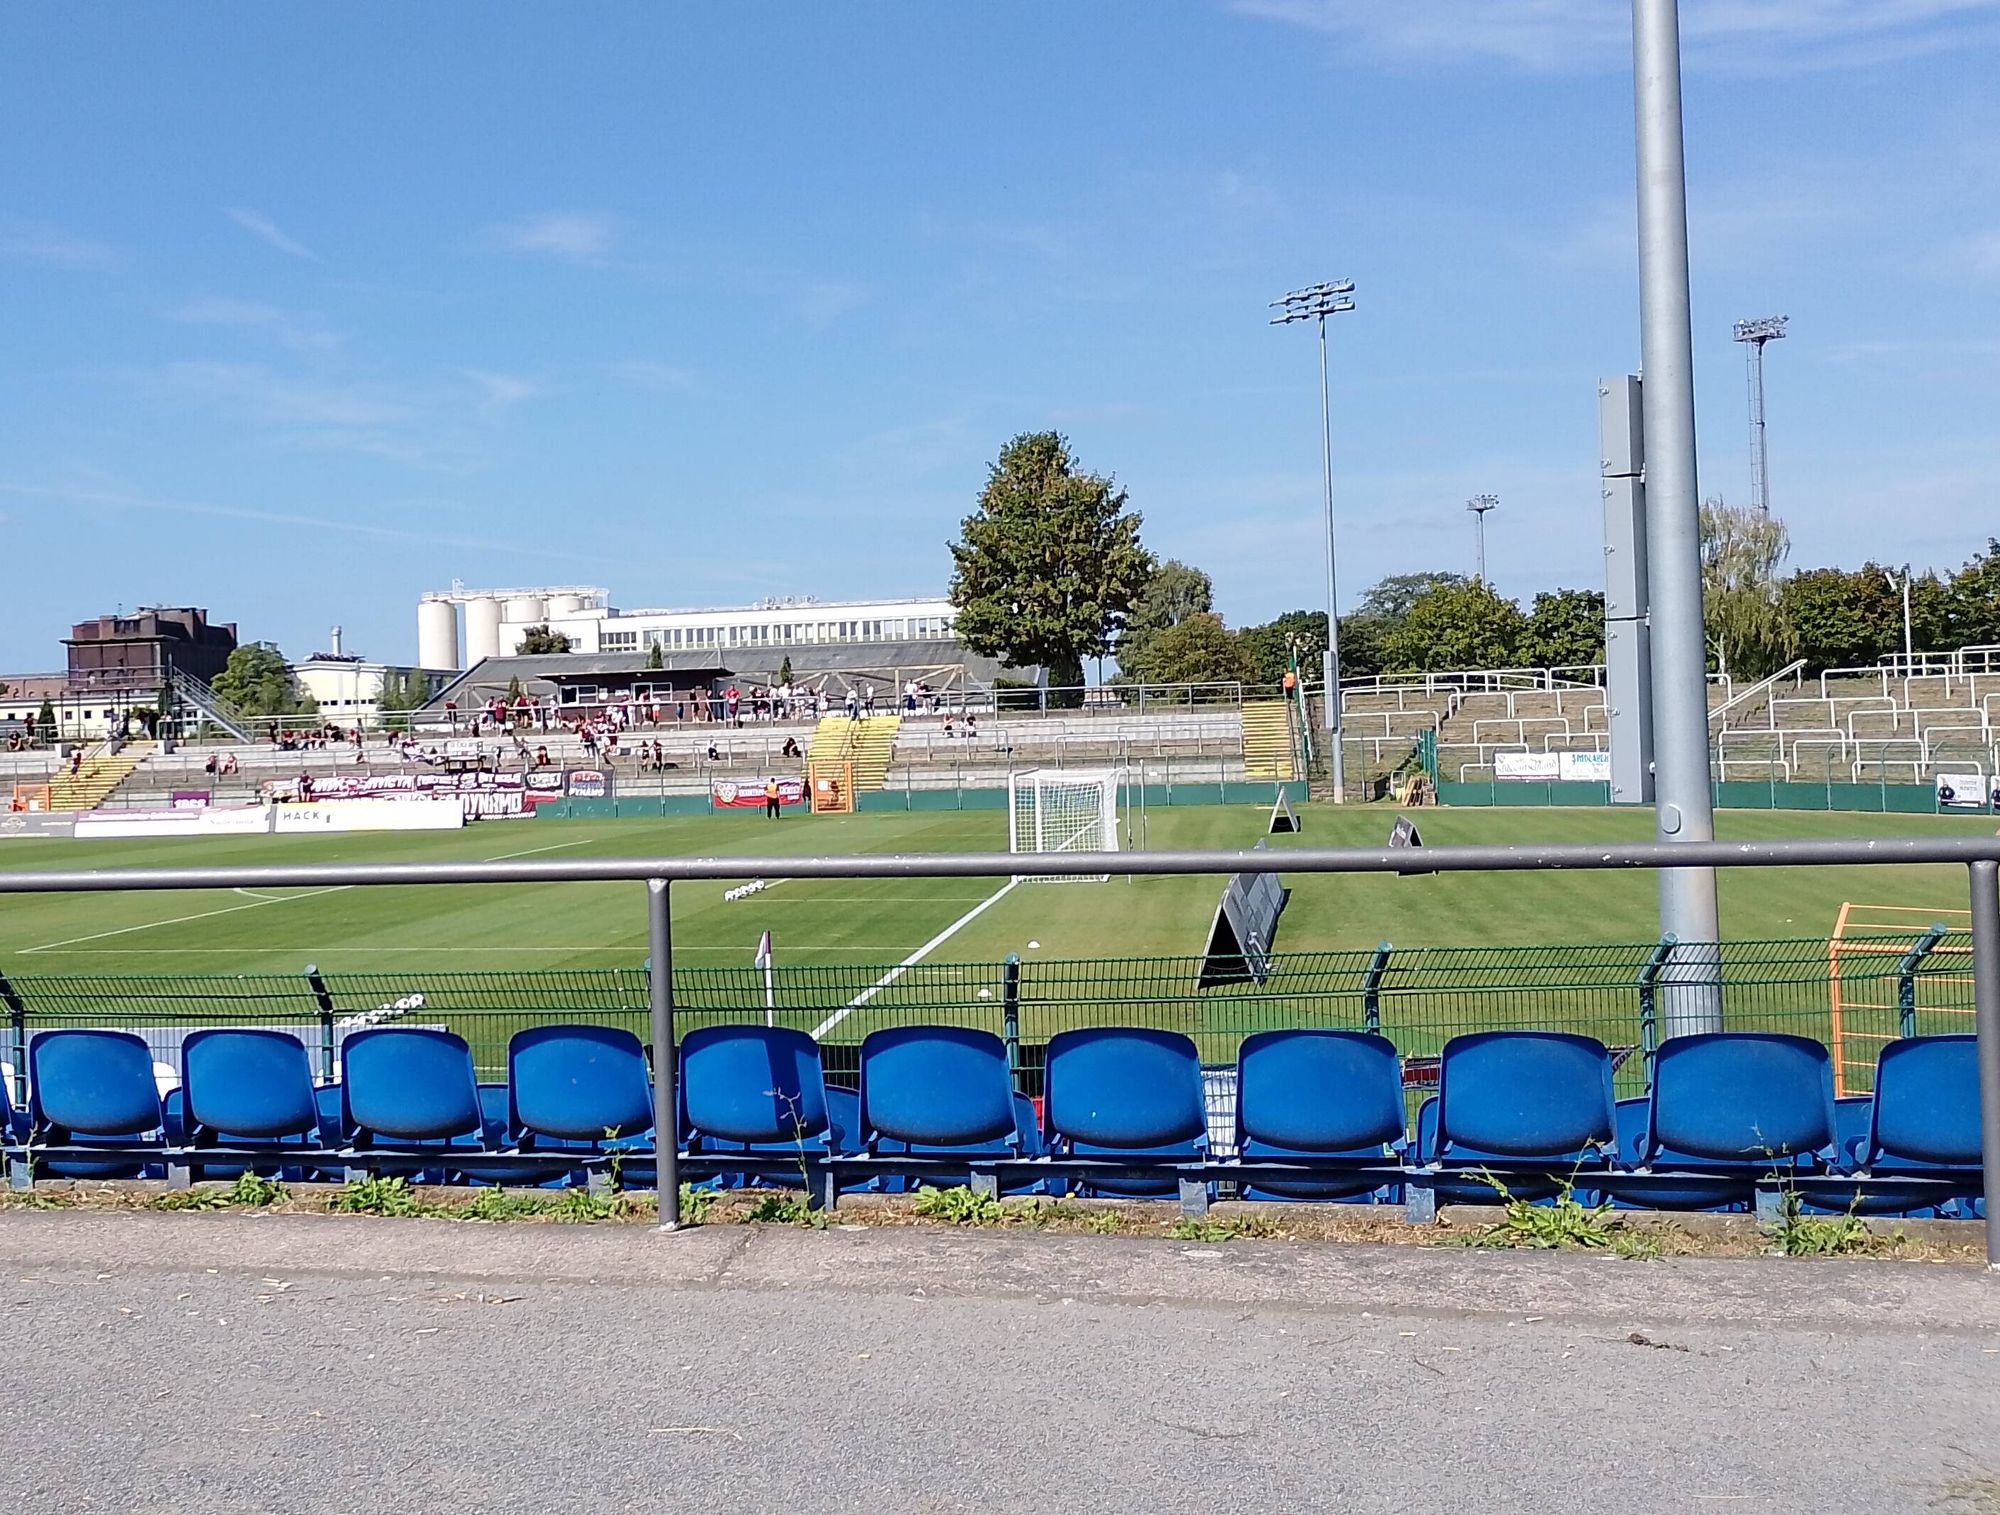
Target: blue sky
(304,310)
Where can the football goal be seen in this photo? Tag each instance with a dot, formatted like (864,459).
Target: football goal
(1063,810)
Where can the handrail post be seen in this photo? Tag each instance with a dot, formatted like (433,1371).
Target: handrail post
(323,996)
(1986,1004)
(17,1018)
(1906,978)
(1649,1020)
(1010,1013)
(666,1097)
(1371,988)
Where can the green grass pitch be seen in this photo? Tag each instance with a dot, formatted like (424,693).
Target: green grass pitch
(882,922)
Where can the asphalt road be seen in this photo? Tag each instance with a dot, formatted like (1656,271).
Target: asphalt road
(211,1363)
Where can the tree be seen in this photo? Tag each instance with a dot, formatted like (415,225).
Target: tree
(785,670)
(1196,650)
(1461,625)
(1173,593)
(1393,598)
(537,639)
(1270,647)
(407,690)
(257,681)
(656,658)
(1566,628)
(1972,600)
(1841,619)
(514,690)
(45,723)
(1049,565)
(1745,622)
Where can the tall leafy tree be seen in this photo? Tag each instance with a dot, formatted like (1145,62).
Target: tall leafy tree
(1462,625)
(1270,646)
(1741,550)
(257,681)
(1393,598)
(1173,593)
(1198,649)
(1566,628)
(45,722)
(1049,565)
(1842,619)
(1972,600)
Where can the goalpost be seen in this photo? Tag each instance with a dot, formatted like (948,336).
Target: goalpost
(1064,810)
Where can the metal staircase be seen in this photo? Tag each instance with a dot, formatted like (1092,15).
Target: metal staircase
(190,693)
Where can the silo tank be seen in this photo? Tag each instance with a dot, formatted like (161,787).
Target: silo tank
(564,604)
(482,630)
(437,634)
(527,610)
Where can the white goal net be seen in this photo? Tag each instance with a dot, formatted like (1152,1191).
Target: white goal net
(1063,810)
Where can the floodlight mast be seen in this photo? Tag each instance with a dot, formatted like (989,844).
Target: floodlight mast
(1479,504)
(1754,334)
(1315,303)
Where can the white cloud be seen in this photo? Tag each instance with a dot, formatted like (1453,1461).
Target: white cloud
(499,391)
(39,242)
(302,335)
(267,231)
(1557,36)
(579,238)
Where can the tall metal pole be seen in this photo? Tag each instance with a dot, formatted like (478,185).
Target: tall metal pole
(1986,1006)
(1330,664)
(1692,993)
(1317,302)
(666,1096)
(1479,504)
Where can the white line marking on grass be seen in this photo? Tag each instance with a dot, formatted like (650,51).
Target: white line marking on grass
(181,920)
(253,894)
(914,958)
(552,847)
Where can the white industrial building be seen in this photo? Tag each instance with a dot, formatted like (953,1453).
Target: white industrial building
(347,687)
(497,619)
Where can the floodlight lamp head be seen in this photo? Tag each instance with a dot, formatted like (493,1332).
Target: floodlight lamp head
(1763,329)
(1481,503)
(1316,301)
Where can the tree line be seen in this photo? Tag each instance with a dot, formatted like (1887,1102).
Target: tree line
(1049,570)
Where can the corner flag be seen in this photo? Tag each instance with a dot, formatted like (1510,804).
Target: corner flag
(763,960)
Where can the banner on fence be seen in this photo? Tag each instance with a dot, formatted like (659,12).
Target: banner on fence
(725,794)
(190,799)
(1527,765)
(36,823)
(1967,791)
(481,795)
(441,814)
(1585,766)
(589,784)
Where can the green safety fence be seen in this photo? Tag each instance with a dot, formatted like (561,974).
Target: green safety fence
(1419,997)
(1731,794)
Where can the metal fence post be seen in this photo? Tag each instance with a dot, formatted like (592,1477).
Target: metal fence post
(324,997)
(1906,978)
(1649,1000)
(666,1097)
(1371,988)
(1010,1012)
(1986,1004)
(17,1017)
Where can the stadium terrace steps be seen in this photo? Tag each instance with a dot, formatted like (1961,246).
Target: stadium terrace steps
(1267,740)
(867,743)
(102,771)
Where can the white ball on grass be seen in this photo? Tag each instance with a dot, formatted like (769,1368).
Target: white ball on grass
(1034,946)
(986,994)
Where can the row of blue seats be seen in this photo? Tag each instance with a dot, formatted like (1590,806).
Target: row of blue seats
(1732,1119)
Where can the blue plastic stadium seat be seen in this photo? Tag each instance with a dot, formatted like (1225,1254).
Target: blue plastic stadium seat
(1331,1101)
(1695,1193)
(583,1088)
(1131,1097)
(409,1098)
(1923,1123)
(93,1092)
(758,1093)
(1532,1109)
(931,1092)
(1747,1107)
(250,1093)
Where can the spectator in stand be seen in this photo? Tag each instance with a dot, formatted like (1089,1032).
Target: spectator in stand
(868,698)
(791,748)
(451,714)
(853,704)
(541,757)
(228,763)
(713,755)
(971,726)
(660,762)
(732,700)
(305,785)
(209,766)
(772,809)
(910,697)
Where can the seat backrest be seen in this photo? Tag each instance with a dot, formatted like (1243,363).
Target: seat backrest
(942,1086)
(752,1084)
(1927,1101)
(1027,1126)
(247,1083)
(1524,1094)
(1124,1086)
(1741,1095)
(408,1084)
(581,1083)
(92,1083)
(1318,1091)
